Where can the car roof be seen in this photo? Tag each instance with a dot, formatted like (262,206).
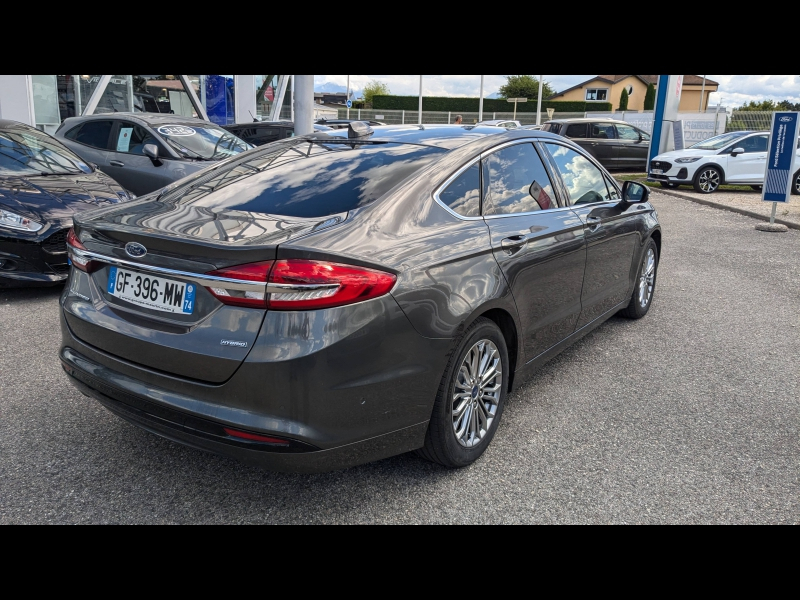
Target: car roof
(152,119)
(440,136)
(9,124)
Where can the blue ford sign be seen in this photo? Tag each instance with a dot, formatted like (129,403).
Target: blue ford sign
(349,104)
(780,160)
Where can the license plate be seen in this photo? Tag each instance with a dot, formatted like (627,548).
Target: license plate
(157,293)
(657,171)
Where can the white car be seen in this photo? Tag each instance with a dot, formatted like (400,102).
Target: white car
(507,123)
(737,157)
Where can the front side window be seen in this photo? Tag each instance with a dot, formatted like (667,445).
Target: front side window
(757,143)
(515,181)
(626,132)
(131,139)
(464,194)
(603,131)
(203,141)
(585,183)
(596,94)
(30,152)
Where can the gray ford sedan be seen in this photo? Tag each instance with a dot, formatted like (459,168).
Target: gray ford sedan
(319,302)
(144,151)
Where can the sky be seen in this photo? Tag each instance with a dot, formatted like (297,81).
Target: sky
(734,90)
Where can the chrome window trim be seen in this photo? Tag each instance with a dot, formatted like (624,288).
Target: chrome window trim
(203,279)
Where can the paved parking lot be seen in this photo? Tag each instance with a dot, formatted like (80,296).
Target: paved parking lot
(690,415)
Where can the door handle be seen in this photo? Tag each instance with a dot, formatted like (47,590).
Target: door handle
(593,223)
(116,163)
(513,244)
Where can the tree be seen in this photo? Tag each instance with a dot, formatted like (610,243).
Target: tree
(623,99)
(650,97)
(770,106)
(524,86)
(374,88)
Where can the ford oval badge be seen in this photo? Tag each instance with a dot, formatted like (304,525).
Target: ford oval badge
(135,250)
(785,119)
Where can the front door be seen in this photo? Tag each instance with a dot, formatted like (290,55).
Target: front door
(633,147)
(749,166)
(129,165)
(612,230)
(538,245)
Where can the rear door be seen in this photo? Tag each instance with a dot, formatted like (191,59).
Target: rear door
(127,162)
(538,245)
(612,231)
(91,141)
(604,143)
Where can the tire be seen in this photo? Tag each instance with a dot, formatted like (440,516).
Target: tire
(637,307)
(668,185)
(756,187)
(443,444)
(707,180)
(796,184)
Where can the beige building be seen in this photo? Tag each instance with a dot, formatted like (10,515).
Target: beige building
(608,88)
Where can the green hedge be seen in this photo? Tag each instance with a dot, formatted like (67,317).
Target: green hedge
(444,104)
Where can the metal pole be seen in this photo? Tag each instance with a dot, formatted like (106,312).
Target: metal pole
(304,105)
(515,110)
(347,99)
(772,216)
(539,102)
(292,102)
(702,92)
(480,103)
(419,120)
(716,119)
(448,117)
(403,121)
(196,102)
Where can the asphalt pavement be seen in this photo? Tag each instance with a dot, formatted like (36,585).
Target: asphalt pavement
(690,415)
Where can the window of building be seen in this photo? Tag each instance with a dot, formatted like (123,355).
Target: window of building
(600,94)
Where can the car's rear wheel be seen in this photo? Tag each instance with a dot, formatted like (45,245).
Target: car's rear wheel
(707,180)
(796,184)
(470,399)
(645,287)
(669,185)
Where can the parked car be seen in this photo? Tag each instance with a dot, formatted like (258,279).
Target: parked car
(319,303)
(42,186)
(343,123)
(506,123)
(144,152)
(615,144)
(737,157)
(259,133)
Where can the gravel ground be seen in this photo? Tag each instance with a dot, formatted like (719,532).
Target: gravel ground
(747,200)
(690,415)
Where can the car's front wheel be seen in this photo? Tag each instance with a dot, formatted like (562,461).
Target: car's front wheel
(796,184)
(642,296)
(707,180)
(470,399)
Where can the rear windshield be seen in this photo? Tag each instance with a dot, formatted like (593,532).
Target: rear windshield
(300,178)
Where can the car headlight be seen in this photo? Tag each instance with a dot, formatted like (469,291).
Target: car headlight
(687,160)
(15,221)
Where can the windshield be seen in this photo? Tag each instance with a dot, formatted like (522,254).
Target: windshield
(720,141)
(31,152)
(206,142)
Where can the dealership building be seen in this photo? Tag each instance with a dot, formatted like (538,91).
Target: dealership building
(44,101)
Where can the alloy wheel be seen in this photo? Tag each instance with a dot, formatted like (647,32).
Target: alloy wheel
(709,180)
(647,278)
(479,381)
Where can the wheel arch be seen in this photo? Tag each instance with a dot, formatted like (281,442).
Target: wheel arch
(717,166)
(507,325)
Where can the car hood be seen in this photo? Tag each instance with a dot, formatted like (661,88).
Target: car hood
(58,197)
(687,153)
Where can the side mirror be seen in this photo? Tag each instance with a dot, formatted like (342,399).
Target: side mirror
(634,193)
(151,150)
(736,151)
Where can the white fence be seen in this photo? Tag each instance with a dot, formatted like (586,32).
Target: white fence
(696,126)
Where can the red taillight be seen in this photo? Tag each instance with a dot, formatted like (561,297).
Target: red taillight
(80,262)
(296,284)
(255,272)
(310,284)
(255,437)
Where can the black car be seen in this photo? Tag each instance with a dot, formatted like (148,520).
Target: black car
(42,186)
(343,123)
(259,133)
(147,151)
(319,303)
(615,144)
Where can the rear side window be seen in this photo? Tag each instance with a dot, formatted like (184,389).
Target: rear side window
(515,181)
(603,131)
(552,127)
(95,134)
(576,130)
(463,195)
(298,178)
